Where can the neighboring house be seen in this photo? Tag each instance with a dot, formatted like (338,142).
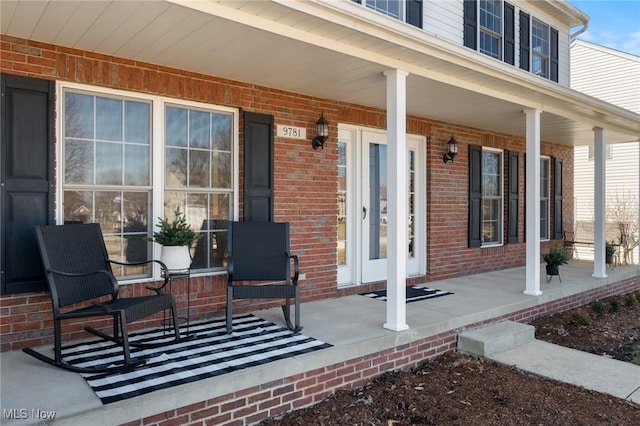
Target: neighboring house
(614,77)
(126,110)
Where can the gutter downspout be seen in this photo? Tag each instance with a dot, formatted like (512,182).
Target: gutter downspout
(584,28)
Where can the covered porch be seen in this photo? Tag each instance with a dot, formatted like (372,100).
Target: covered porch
(362,349)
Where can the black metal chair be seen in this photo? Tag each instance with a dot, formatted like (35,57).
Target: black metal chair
(78,270)
(259,251)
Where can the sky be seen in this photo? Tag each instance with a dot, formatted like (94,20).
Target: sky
(614,23)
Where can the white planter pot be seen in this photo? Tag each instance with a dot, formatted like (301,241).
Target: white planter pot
(176,257)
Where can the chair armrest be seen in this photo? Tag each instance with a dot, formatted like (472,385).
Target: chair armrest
(229,268)
(165,271)
(296,267)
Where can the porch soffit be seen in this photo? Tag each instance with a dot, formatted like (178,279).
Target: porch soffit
(332,50)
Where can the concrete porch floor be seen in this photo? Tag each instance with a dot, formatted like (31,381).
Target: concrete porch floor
(352,324)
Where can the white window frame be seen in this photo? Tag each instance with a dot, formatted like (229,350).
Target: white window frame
(371,4)
(491,32)
(545,183)
(158,104)
(500,228)
(540,55)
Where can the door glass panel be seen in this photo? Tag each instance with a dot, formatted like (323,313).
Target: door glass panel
(378,201)
(411,190)
(342,203)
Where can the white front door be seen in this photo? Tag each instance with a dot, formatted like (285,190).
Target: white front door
(362,233)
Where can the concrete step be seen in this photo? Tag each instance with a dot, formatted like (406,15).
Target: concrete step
(495,338)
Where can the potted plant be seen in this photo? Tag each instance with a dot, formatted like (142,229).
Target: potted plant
(175,237)
(610,251)
(555,257)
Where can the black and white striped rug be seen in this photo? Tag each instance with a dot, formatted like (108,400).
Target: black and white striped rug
(414,293)
(211,352)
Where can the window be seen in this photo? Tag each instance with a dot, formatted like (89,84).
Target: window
(198,171)
(491,221)
(539,48)
(391,8)
(409,11)
(607,152)
(110,175)
(491,28)
(545,191)
(107,171)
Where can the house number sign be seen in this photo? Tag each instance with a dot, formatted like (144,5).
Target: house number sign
(291,132)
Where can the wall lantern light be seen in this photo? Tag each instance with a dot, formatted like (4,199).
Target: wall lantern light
(322,133)
(452,151)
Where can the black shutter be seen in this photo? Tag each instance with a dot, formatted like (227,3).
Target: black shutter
(258,167)
(509,34)
(475,196)
(26,171)
(557,184)
(554,55)
(514,197)
(524,41)
(470,24)
(414,13)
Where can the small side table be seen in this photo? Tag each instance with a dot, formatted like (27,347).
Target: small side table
(180,274)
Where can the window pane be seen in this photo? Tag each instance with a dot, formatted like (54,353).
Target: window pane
(199,129)
(220,206)
(108,119)
(108,164)
(199,166)
(176,126)
(78,206)
(544,219)
(78,162)
(221,172)
(108,210)
(175,167)
(136,165)
(78,118)
(196,211)
(221,132)
(173,200)
(137,119)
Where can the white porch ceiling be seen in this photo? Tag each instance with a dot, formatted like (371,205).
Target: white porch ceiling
(333,50)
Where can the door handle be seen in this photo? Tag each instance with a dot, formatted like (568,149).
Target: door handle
(364,212)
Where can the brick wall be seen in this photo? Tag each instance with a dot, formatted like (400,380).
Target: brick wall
(305,182)
(250,406)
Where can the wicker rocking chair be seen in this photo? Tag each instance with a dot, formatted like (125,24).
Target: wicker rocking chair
(259,251)
(78,270)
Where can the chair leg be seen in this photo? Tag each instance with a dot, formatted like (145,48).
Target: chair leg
(57,345)
(297,302)
(125,337)
(229,309)
(286,310)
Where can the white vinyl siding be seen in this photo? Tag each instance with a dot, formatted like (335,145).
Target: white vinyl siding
(445,19)
(589,62)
